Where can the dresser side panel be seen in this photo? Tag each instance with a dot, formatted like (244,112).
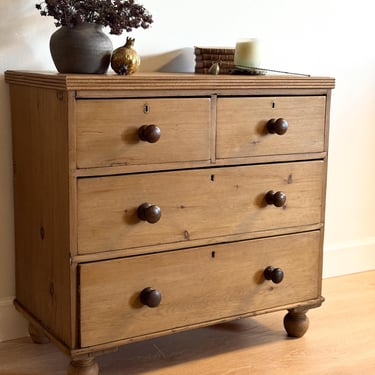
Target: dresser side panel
(41,203)
(325,175)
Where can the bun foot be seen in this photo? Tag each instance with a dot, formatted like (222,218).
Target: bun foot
(296,322)
(37,335)
(83,367)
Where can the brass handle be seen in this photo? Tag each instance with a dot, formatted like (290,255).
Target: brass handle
(149,133)
(276,275)
(279,126)
(150,297)
(149,212)
(278,198)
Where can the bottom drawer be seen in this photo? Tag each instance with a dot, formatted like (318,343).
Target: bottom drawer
(197,285)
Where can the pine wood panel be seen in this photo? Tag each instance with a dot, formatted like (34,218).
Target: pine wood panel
(107,131)
(195,204)
(41,201)
(232,278)
(241,126)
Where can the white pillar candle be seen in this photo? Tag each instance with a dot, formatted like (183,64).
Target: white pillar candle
(247,53)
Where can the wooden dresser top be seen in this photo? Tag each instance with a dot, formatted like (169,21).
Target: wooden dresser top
(165,81)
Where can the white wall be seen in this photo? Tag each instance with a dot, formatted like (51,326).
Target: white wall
(321,37)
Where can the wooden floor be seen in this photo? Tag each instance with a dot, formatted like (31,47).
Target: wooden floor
(340,340)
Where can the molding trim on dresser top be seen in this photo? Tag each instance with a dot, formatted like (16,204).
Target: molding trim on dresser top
(140,201)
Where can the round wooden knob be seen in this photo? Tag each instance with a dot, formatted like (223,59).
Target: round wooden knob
(276,275)
(149,212)
(149,133)
(279,126)
(150,297)
(278,198)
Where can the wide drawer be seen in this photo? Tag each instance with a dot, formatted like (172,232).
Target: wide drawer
(198,285)
(242,126)
(108,131)
(196,204)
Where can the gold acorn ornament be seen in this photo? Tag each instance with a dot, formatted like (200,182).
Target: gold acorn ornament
(125,60)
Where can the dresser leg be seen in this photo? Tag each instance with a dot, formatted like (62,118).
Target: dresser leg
(37,335)
(87,366)
(296,322)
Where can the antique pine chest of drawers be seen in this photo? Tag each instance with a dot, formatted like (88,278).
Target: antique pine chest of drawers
(157,203)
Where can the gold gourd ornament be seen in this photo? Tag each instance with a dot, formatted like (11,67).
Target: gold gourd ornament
(125,60)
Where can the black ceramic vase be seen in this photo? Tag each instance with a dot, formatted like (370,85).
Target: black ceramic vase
(84,48)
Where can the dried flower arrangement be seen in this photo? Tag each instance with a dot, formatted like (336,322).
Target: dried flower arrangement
(118,15)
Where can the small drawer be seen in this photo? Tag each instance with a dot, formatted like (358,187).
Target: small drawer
(245,126)
(142,131)
(130,211)
(192,286)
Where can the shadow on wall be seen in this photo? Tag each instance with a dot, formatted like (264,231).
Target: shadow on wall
(177,61)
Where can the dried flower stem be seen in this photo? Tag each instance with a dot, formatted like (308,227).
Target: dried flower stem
(118,15)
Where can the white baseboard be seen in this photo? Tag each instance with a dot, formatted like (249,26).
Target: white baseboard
(338,260)
(349,257)
(12,323)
